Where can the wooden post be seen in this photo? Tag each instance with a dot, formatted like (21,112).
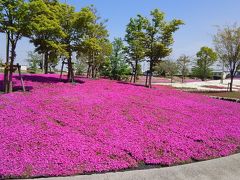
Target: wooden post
(20,75)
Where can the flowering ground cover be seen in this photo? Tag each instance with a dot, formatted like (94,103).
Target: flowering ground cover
(59,129)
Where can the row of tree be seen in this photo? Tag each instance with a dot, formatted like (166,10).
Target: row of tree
(227,52)
(150,39)
(57,31)
(200,66)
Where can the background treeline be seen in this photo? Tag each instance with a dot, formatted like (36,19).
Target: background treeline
(57,31)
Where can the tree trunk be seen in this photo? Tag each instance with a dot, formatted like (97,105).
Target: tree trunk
(46,63)
(183,77)
(88,71)
(96,72)
(231,83)
(131,78)
(10,83)
(6,70)
(205,71)
(69,76)
(146,82)
(135,72)
(150,75)
(93,71)
(6,78)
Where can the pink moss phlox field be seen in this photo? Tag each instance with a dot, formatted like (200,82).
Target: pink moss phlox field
(59,129)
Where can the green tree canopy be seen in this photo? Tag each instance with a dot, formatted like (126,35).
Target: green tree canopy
(227,45)
(94,40)
(170,68)
(119,69)
(46,29)
(206,57)
(159,37)
(14,21)
(183,63)
(35,61)
(135,36)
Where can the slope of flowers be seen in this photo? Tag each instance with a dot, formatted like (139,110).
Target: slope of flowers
(60,129)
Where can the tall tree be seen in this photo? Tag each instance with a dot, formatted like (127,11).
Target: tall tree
(35,61)
(159,39)
(46,29)
(206,57)
(183,63)
(14,21)
(227,45)
(170,68)
(135,37)
(118,65)
(94,40)
(68,20)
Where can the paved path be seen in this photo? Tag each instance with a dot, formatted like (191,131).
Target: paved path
(227,168)
(202,85)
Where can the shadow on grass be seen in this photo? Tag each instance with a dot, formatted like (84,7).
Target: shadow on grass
(36,78)
(128,83)
(47,79)
(15,88)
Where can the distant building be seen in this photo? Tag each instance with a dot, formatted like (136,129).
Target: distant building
(218,69)
(217,74)
(24,67)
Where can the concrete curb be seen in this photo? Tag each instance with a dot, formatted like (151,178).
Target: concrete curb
(227,168)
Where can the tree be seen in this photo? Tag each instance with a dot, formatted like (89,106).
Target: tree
(135,37)
(183,62)
(104,55)
(227,45)
(206,57)
(170,68)
(84,22)
(80,66)
(67,17)
(119,69)
(1,61)
(94,41)
(159,69)
(46,29)
(35,61)
(14,21)
(73,24)
(159,39)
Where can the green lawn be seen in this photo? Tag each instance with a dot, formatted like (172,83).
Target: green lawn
(224,94)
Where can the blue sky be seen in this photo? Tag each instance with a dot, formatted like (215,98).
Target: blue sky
(200,17)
